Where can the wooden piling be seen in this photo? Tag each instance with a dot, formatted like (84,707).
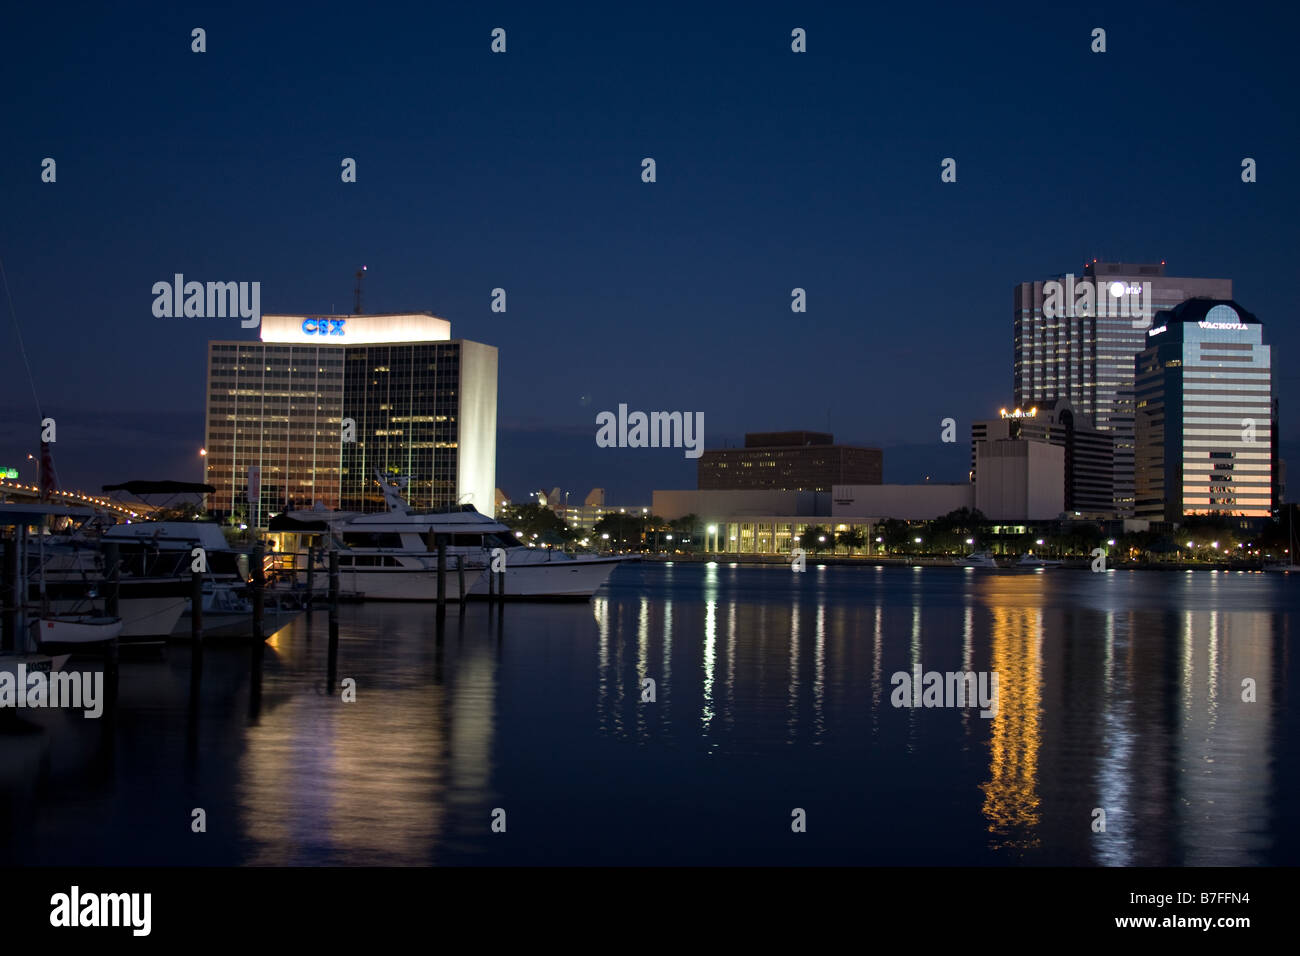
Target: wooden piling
(460,574)
(334,578)
(196,606)
(442,575)
(112,578)
(11,596)
(259,588)
(311,574)
(332,658)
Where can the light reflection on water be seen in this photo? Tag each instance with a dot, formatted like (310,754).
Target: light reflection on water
(1119,692)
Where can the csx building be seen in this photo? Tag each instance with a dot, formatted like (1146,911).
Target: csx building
(309,413)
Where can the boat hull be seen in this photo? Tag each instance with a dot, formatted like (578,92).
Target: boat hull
(575,580)
(395,584)
(60,631)
(234,624)
(141,617)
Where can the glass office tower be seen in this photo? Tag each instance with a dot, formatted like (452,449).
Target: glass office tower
(1204,424)
(1087,360)
(311,412)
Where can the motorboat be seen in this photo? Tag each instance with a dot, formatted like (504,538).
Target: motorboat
(1032,562)
(228,612)
(393,555)
(979,559)
(61,629)
(23,664)
(154,567)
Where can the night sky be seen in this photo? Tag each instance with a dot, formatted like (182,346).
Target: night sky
(523,171)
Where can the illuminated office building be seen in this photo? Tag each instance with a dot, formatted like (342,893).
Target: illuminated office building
(1089,454)
(1084,353)
(309,413)
(1205,415)
(788,461)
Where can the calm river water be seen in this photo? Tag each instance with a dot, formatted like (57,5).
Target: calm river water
(1120,692)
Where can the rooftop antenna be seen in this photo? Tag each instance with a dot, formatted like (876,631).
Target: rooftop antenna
(356,292)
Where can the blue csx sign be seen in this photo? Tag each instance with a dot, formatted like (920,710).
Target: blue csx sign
(323,326)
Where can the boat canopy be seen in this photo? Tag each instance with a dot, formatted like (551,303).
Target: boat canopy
(161,487)
(295,525)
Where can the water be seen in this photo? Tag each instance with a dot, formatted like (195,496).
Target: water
(1119,691)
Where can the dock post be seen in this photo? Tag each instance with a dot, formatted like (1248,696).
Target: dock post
(196,607)
(460,573)
(311,575)
(492,584)
(442,575)
(111,669)
(112,578)
(501,587)
(259,586)
(21,637)
(10,584)
(332,658)
(334,578)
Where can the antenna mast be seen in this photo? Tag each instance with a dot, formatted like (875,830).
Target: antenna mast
(356,291)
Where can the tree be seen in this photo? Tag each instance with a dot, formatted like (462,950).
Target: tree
(685,532)
(536,520)
(624,530)
(853,538)
(814,538)
(896,533)
(950,532)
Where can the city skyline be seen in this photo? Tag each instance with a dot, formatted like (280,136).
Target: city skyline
(441,437)
(667,295)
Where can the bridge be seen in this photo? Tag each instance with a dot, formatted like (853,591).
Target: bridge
(16,492)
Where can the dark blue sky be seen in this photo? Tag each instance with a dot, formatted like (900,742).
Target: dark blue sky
(522,170)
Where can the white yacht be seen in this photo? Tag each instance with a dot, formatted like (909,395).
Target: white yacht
(393,555)
(980,559)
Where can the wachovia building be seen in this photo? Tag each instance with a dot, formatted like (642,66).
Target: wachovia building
(1205,424)
(310,412)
